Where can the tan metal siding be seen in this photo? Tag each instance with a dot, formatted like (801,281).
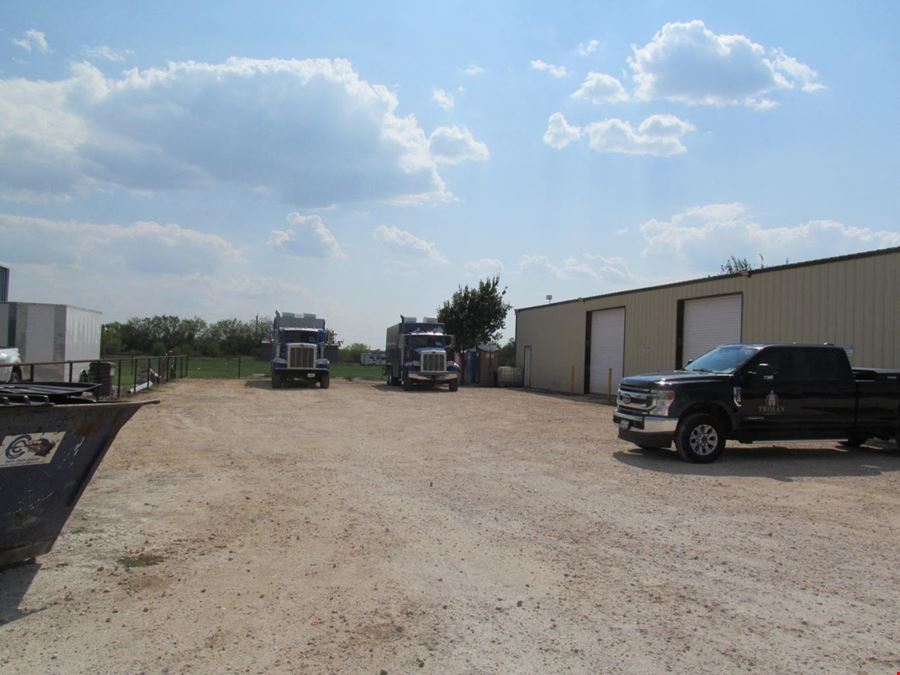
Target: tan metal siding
(853,302)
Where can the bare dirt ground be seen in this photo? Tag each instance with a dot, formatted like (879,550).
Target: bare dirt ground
(366,529)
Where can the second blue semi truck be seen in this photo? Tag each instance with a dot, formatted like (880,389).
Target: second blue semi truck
(416,353)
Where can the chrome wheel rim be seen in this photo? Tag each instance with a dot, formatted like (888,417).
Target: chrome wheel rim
(704,439)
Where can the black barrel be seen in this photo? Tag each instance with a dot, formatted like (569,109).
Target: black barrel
(52,439)
(100,373)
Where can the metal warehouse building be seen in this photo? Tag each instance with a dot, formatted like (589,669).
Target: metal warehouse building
(586,344)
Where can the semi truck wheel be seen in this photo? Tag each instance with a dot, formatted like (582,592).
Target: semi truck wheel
(407,384)
(276,381)
(325,381)
(454,385)
(700,438)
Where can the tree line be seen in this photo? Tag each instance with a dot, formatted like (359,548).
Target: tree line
(473,315)
(166,334)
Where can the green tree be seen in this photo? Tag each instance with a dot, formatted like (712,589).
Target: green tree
(734,265)
(352,353)
(475,315)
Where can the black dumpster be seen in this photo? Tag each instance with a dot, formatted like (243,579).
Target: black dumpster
(52,439)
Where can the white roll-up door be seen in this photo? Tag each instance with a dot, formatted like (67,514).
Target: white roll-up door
(708,323)
(607,349)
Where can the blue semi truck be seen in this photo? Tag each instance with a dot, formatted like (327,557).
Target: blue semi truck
(299,342)
(416,354)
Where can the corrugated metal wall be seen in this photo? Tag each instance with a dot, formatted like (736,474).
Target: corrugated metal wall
(850,302)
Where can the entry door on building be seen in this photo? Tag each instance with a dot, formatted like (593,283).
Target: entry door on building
(708,323)
(607,349)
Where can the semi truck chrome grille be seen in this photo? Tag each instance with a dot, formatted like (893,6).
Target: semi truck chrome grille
(633,399)
(434,363)
(301,356)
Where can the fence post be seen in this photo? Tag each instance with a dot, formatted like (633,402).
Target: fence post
(609,386)
(119,379)
(239,368)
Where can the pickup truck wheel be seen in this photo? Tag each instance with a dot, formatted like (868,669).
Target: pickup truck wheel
(325,381)
(700,438)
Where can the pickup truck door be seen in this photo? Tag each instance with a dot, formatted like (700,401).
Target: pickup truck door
(771,386)
(828,394)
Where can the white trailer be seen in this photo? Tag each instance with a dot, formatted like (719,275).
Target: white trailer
(43,332)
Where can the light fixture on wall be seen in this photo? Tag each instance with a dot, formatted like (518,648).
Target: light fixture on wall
(549,298)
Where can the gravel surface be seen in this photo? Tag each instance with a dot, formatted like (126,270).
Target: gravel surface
(367,529)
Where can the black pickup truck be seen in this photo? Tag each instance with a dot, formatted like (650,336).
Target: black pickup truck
(759,392)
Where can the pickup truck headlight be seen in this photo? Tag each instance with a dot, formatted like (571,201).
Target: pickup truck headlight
(662,399)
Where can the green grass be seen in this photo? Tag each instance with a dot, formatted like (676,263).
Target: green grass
(251,367)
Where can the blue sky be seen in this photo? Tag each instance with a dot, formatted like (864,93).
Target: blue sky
(362,160)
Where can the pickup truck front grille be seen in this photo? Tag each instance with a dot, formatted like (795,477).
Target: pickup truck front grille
(637,400)
(434,362)
(301,356)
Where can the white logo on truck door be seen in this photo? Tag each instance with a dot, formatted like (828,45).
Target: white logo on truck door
(27,449)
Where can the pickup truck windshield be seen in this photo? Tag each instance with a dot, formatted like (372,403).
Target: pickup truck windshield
(722,360)
(416,341)
(299,335)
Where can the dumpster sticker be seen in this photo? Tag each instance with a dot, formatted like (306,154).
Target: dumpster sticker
(27,449)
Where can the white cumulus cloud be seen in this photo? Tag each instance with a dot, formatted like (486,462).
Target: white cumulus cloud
(559,132)
(311,132)
(658,135)
(556,71)
(407,244)
(443,99)
(454,145)
(707,235)
(34,39)
(688,63)
(308,237)
(145,247)
(601,88)
(473,69)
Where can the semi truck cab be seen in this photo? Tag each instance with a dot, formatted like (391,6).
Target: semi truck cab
(298,345)
(416,354)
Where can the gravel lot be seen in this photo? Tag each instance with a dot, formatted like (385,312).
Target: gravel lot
(366,529)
